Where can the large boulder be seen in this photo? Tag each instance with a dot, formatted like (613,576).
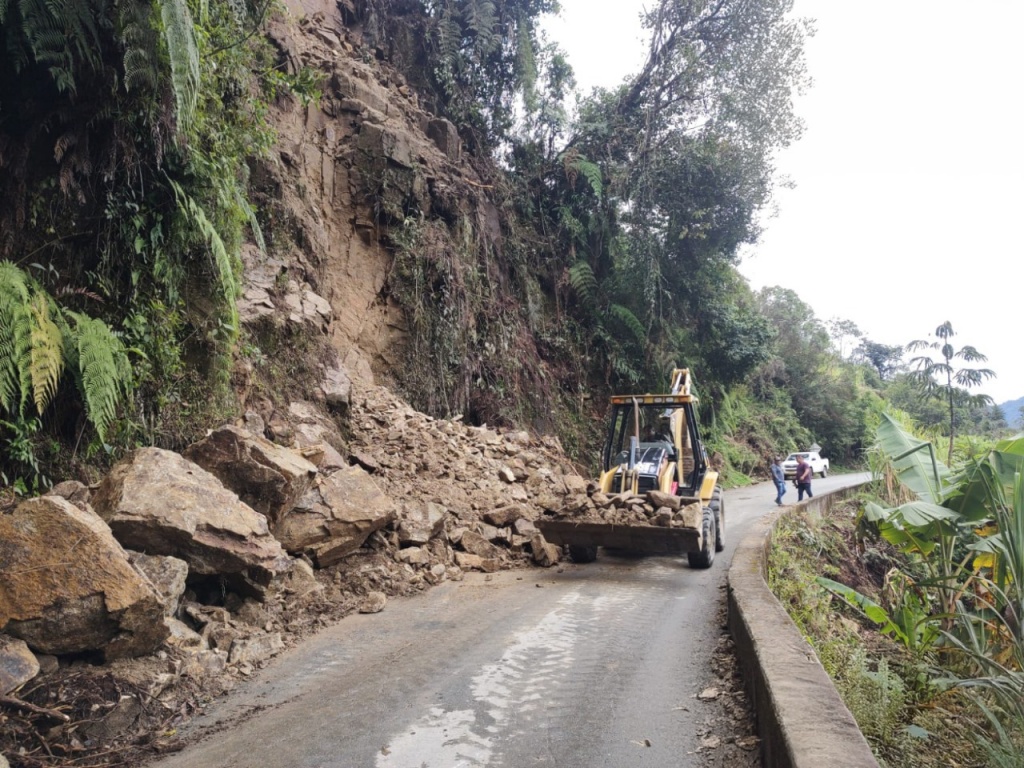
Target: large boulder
(160,503)
(66,585)
(316,435)
(335,516)
(267,477)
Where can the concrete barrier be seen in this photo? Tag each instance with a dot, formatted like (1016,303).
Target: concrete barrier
(801,719)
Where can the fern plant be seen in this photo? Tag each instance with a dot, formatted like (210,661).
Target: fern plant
(575,165)
(40,340)
(583,282)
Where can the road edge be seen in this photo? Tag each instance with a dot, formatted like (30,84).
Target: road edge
(801,719)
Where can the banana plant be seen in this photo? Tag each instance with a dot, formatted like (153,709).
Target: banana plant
(988,632)
(925,528)
(982,595)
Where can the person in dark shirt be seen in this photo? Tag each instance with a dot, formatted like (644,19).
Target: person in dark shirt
(804,473)
(779,478)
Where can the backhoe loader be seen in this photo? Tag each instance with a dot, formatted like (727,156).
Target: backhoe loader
(653,444)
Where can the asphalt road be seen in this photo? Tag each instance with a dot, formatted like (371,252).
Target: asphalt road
(590,666)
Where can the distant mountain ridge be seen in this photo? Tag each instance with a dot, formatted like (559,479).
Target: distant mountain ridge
(1011,410)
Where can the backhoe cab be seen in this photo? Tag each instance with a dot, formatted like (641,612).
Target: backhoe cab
(654,444)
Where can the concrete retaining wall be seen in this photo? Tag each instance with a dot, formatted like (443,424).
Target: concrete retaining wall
(802,721)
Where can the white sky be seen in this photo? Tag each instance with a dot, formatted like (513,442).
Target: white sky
(907,209)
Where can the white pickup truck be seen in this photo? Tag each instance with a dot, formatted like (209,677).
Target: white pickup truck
(819,466)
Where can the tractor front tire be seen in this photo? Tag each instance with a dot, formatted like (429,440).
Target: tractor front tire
(718,507)
(705,556)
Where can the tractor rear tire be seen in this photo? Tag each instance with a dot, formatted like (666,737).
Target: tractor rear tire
(582,553)
(704,557)
(718,507)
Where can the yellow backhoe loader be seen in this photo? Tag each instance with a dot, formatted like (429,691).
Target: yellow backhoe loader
(653,444)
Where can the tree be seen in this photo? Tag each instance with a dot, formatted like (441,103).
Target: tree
(884,358)
(839,330)
(927,369)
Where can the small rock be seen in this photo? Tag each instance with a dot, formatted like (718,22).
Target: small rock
(711,742)
(373,603)
(18,664)
(252,650)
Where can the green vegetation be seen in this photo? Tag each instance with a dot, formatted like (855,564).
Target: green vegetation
(125,130)
(932,562)
(600,252)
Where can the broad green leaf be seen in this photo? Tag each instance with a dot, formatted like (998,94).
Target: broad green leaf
(922,514)
(905,539)
(913,459)
(1014,445)
(984,483)
(865,605)
(875,513)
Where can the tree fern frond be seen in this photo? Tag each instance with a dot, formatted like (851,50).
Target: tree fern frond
(139,38)
(101,370)
(574,164)
(526,66)
(624,369)
(592,173)
(448,37)
(250,215)
(222,262)
(628,319)
(180,35)
(481,22)
(570,223)
(583,281)
(15,330)
(61,146)
(46,356)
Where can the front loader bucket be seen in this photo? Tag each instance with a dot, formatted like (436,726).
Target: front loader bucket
(638,538)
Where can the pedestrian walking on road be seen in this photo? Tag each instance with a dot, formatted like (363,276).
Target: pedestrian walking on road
(779,478)
(804,473)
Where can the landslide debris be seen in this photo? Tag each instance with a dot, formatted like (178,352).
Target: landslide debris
(438,497)
(653,508)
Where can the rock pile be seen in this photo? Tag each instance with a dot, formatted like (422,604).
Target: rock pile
(653,509)
(208,563)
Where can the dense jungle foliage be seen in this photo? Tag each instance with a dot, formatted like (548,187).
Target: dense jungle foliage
(127,133)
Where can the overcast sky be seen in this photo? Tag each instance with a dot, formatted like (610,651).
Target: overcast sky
(909,178)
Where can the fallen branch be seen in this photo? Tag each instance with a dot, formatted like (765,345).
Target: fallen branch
(14,703)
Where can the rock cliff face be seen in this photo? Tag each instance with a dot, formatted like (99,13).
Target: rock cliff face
(349,169)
